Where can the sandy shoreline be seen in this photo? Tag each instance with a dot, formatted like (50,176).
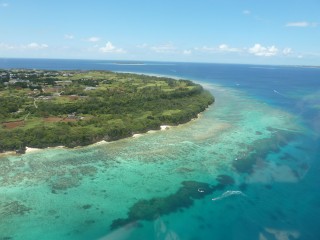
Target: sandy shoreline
(99,143)
(162,128)
(28,150)
(32,150)
(3,154)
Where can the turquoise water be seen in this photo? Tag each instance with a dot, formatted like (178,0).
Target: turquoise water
(245,169)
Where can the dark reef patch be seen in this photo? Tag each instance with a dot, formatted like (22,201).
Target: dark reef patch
(184,170)
(261,148)
(287,157)
(268,186)
(243,187)
(244,165)
(64,183)
(272,129)
(52,212)
(304,166)
(89,222)
(303,148)
(183,198)
(14,208)
(87,170)
(225,180)
(86,206)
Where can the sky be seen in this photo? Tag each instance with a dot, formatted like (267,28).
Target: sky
(218,31)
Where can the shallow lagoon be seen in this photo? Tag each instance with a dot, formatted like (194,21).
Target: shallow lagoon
(245,169)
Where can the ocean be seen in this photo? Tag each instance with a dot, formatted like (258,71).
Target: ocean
(247,168)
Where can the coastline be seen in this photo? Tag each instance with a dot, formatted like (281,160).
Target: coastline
(98,141)
(162,128)
(29,150)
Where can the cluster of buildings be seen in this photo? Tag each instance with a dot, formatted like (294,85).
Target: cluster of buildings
(29,78)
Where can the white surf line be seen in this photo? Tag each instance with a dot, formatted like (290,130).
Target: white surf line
(275,91)
(229,194)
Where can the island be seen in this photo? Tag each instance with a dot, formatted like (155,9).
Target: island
(42,108)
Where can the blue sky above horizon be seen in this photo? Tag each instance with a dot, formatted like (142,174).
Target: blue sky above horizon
(229,31)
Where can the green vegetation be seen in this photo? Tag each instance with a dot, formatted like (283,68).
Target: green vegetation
(72,108)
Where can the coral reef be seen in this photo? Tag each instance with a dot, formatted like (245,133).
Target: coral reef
(183,198)
(13,208)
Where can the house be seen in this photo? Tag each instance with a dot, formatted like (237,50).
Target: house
(14,81)
(72,115)
(90,88)
(63,83)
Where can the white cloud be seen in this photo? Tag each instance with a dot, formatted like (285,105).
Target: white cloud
(205,49)
(4,46)
(226,48)
(287,51)
(187,52)
(221,48)
(30,46)
(93,39)
(301,24)
(110,48)
(260,50)
(36,46)
(246,12)
(68,36)
(144,45)
(166,48)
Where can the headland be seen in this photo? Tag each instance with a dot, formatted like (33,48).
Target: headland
(41,109)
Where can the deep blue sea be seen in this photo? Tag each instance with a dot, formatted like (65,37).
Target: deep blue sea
(247,168)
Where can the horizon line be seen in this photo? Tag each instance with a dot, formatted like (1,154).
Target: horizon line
(156,61)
